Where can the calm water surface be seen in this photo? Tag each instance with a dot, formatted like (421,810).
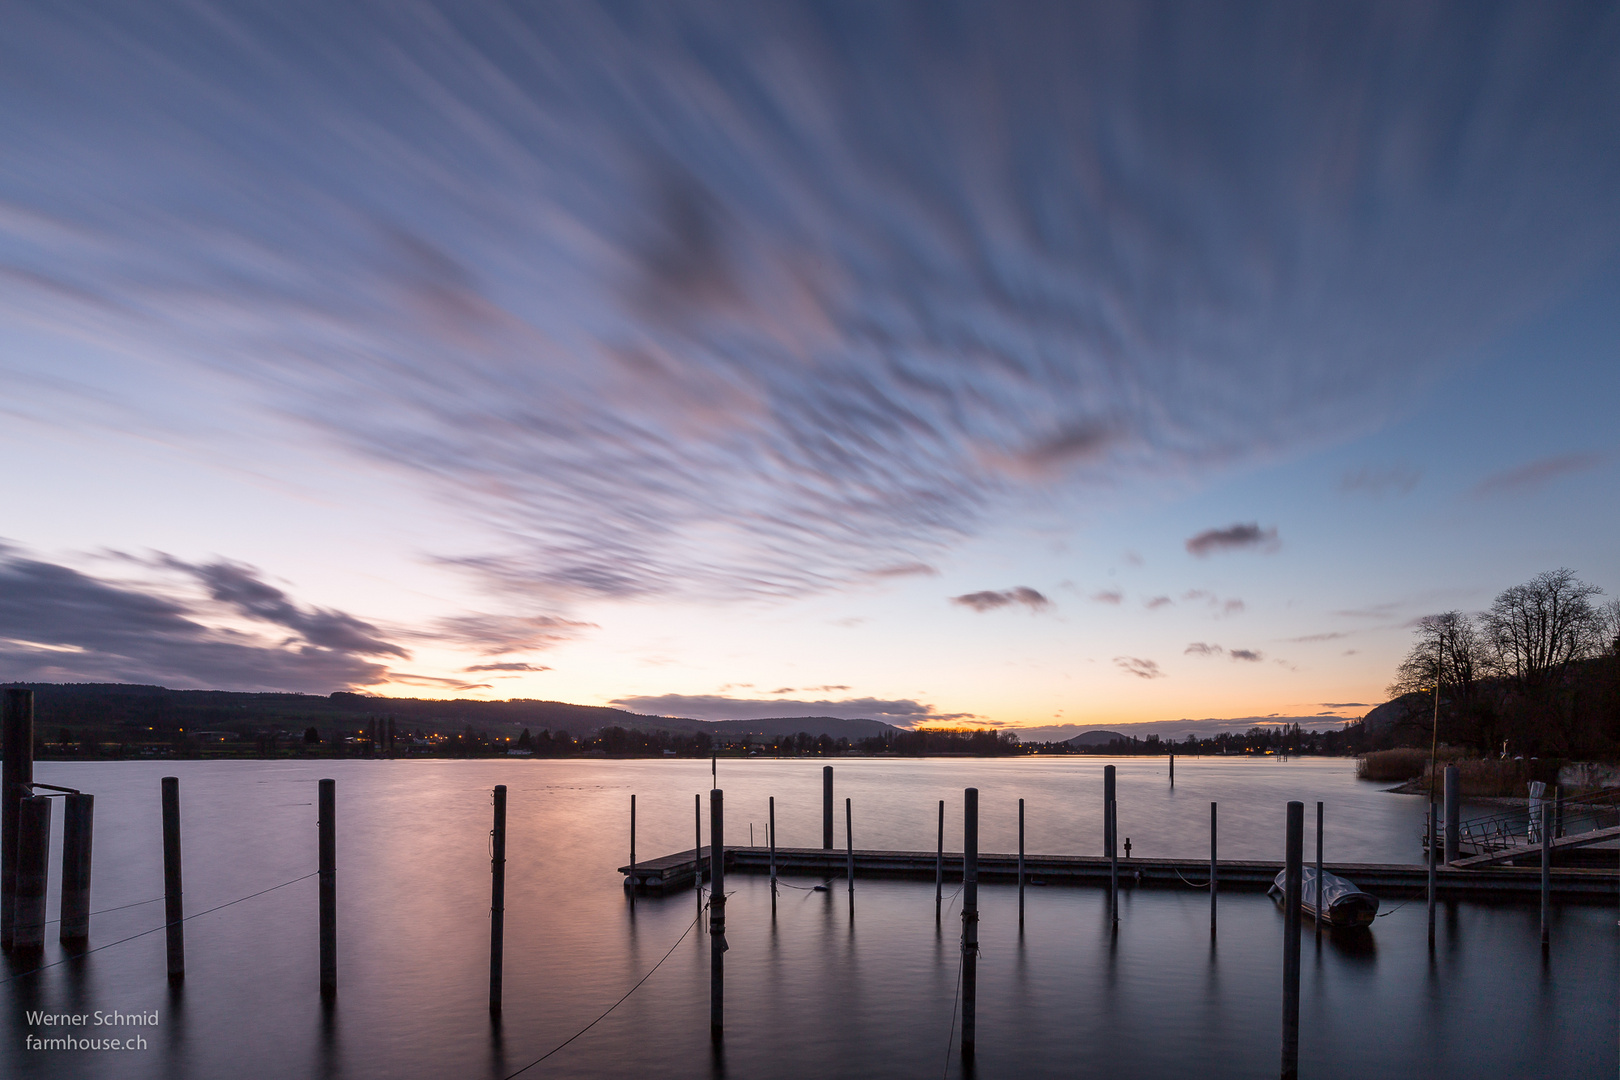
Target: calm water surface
(827,988)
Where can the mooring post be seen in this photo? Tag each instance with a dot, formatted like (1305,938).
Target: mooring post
(849,842)
(1453,813)
(1434,858)
(826,808)
(497,890)
(1110,840)
(717,913)
(1546,875)
(78,816)
(173,905)
(1293,874)
(714,768)
(970,917)
(1214,868)
(939,863)
(326,818)
(632,878)
(33,870)
(1020,864)
(1317,901)
(772,838)
(16,774)
(1172,770)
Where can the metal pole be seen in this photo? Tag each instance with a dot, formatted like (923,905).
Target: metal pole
(497,892)
(849,842)
(1453,813)
(1110,839)
(717,913)
(970,918)
(1214,868)
(939,863)
(1294,857)
(77,825)
(327,823)
(1546,876)
(1020,864)
(1317,903)
(772,839)
(16,773)
(33,871)
(826,808)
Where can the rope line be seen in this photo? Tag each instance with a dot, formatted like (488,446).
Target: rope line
(1184,881)
(950,1036)
(610,1008)
(120,907)
(163,926)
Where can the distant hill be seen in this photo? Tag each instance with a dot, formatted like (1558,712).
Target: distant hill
(1094,738)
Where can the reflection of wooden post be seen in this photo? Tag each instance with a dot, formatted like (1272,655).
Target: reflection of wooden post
(970,918)
(173,906)
(1214,868)
(939,862)
(1020,864)
(1546,875)
(717,914)
(497,890)
(1292,875)
(1318,901)
(697,851)
(16,774)
(77,819)
(826,808)
(327,818)
(849,842)
(33,872)
(1111,840)
(772,838)
(1434,857)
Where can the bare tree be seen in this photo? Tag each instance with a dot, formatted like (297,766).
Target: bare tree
(1609,626)
(1449,645)
(1534,629)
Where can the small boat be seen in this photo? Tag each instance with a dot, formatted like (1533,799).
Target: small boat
(1344,904)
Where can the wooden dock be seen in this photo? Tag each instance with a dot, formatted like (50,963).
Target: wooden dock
(680,870)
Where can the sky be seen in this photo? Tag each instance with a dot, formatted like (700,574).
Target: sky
(1045,366)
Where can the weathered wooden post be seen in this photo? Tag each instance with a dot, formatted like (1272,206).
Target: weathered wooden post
(1110,840)
(1172,769)
(33,871)
(1546,875)
(497,890)
(1434,857)
(970,918)
(326,817)
(697,851)
(1317,922)
(16,774)
(717,914)
(1453,813)
(1020,864)
(772,838)
(1293,873)
(173,905)
(849,841)
(939,863)
(632,840)
(78,816)
(1214,868)
(826,808)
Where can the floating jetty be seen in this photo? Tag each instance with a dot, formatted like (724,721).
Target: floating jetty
(680,870)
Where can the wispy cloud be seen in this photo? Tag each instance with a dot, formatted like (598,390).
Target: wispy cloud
(1536,474)
(1390,479)
(508,665)
(1345,705)
(1142,669)
(902,712)
(764,299)
(1202,648)
(1233,538)
(1306,639)
(1108,596)
(989,600)
(1246,654)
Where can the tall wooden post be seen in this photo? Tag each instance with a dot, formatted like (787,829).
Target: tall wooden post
(1172,769)
(849,841)
(697,850)
(77,826)
(826,808)
(1317,902)
(173,905)
(717,914)
(326,818)
(1293,874)
(1020,864)
(1214,868)
(939,863)
(497,891)
(1110,840)
(632,843)
(16,774)
(33,872)
(970,918)
(1546,874)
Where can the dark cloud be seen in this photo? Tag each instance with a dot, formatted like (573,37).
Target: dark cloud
(989,600)
(1536,474)
(1142,669)
(60,625)
(1233,538)
(436,682)
(725,299)
(1393,479)
(1345,705)
(510,665)
(1245,654)
(902,712)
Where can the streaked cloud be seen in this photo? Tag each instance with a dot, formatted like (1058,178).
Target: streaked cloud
(1387,480)
(508,665)
(1203,648)
(1333,635)
(989,600)
(902,712)
(1233,538)
(1142,669)
(1536,474)
(725,300)
(1108,596)
(1246,654)
(1153,603)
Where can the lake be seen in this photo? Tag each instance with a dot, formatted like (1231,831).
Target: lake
(826,989)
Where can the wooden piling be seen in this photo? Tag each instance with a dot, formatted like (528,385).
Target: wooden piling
(1546,875)
(1293,875)
(632,878)
(826,807)
(1020,864)
(1453,813)
(33,871)
(78,816)
(1214,868)
(326,818)
(939,863)
(497,890)
(1317,901)
(772,839)
(697,851)
(1172,770)
(849,842)
(16,774)
(1111,840)
(970,918)
(717,914)
(173,905)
